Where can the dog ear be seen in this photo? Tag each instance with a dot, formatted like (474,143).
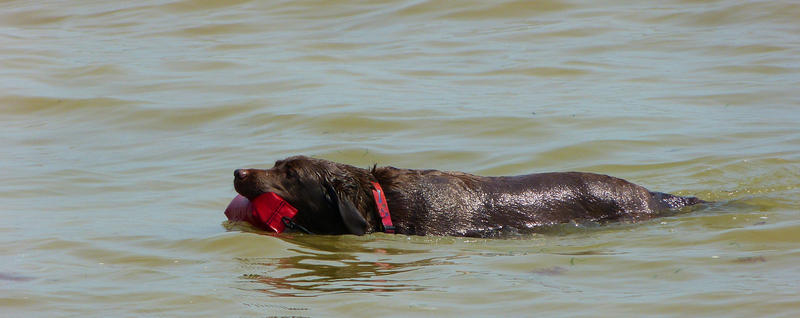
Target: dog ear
(351,217)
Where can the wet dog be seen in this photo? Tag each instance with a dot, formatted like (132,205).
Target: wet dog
(335,198)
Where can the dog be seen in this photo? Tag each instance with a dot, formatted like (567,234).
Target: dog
(326,197)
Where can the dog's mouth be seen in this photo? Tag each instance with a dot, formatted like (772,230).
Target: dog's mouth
(247,183)
(247,192)
(260,204)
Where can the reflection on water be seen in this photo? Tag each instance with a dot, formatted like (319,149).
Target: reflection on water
(323,268)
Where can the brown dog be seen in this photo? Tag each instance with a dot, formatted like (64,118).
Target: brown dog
(334,198)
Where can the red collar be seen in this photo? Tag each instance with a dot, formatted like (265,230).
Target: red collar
(383,208)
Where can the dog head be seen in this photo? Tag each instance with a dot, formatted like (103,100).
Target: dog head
(331,198)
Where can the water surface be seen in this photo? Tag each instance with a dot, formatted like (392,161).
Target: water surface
(121,124)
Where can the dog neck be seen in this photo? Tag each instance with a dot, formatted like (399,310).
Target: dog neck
(383,208)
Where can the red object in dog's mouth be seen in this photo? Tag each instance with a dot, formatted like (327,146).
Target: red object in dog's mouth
(268,211)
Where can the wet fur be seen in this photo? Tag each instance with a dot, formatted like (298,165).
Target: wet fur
(335,198)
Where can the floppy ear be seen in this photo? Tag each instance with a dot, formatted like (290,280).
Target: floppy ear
(352,219)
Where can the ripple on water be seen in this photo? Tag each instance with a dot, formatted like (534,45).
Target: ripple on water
(121,123)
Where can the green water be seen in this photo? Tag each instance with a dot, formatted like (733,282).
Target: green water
(121,124)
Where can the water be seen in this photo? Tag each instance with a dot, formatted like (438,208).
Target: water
(121,124)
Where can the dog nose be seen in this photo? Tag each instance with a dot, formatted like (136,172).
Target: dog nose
(241,174)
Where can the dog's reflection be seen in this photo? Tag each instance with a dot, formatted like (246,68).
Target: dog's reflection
(325,266)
